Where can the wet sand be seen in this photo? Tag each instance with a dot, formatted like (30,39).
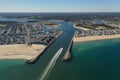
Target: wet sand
(93,38)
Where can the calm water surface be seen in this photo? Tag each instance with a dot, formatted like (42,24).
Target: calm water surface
(95,60)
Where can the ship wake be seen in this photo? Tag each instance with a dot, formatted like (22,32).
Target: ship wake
(50,66)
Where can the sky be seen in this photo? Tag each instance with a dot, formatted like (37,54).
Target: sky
(59,5)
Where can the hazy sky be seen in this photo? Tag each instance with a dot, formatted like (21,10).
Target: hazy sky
(59,5)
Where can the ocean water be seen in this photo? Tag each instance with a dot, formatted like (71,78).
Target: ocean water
(95,60)
(19,70)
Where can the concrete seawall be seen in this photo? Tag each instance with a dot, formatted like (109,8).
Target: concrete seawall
(68,55)
(34,60)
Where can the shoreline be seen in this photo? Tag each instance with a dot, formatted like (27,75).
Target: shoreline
(85,29)
(95,38)
(30,53)
(34,60)
(20,51)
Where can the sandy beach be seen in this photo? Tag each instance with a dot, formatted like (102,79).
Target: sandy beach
(85,29)
(20,51)
(93,38)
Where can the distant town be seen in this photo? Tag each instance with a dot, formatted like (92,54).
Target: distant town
(43,39)
(38,29)
(35,33)
(28,33)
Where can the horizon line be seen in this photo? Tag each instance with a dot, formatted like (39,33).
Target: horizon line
(64,12)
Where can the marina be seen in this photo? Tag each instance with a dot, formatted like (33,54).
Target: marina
(59,40)
(29,73)
(65,60)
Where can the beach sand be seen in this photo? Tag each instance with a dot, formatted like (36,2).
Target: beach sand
(81,28)
(92,38)
(20,51)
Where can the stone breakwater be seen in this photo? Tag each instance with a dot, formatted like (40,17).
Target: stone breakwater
(68,55)
(34,60)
